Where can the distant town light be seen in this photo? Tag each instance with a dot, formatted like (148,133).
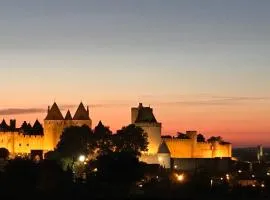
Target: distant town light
(253,176)
(253,185)
(262,185)
(239,171)
(95,170)
(175,166)
(221,178)
(160,159)
(180,177)
(268,173)
(81,158)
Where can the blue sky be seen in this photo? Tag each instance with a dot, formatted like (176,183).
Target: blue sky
(130,51)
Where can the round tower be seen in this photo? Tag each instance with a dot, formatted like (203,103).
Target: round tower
(143,117)
(164,156)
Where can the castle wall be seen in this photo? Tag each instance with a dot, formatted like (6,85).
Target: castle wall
(149,159)
(82,122)
(222,150)
(24,143)
(179,148)
(210,164)
(187,148)
(17,143)
(203,150)
(153,131)
(7,141)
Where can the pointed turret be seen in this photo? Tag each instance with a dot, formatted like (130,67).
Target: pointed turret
(24,126)
(81,113)
(54,113)
(68,116)
(100,124)
(37,128)
(4,126)
(163,148)
(29,126)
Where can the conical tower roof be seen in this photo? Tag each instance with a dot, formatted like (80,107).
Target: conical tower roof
(68,116)
(4,125)
(24,126)
(163,148)
(37,128)
(54,113)
(81,113)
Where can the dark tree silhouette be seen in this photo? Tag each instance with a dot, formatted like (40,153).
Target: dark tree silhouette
(200,138)
(182,136)
(75,141)
(166,136)
(130,139)
(215,139)
(52,178)
(4,153)
(115,172)
(20,176)
(118,167)
(103,137)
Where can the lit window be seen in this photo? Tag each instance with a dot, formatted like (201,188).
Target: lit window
(20,144)
(27,145)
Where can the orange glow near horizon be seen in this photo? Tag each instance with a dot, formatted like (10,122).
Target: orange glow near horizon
(240,125)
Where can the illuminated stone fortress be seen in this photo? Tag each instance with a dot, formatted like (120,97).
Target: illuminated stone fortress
(163,150)
(28,138)
(23,140)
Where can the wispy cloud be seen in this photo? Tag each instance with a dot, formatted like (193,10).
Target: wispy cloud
(19,111)
(200,100)
(217,101)
(64,107)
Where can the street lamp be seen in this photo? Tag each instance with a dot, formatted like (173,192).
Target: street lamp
(180,177)
(81,158)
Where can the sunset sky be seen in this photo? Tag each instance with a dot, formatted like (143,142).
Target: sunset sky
(202,65)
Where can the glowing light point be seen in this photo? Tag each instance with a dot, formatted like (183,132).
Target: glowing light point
(180,177)
(82,158)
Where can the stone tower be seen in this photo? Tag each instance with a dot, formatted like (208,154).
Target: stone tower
(143,117)
(53,127)
(55,123)
(164,156)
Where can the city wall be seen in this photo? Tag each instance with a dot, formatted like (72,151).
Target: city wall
(18,143)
